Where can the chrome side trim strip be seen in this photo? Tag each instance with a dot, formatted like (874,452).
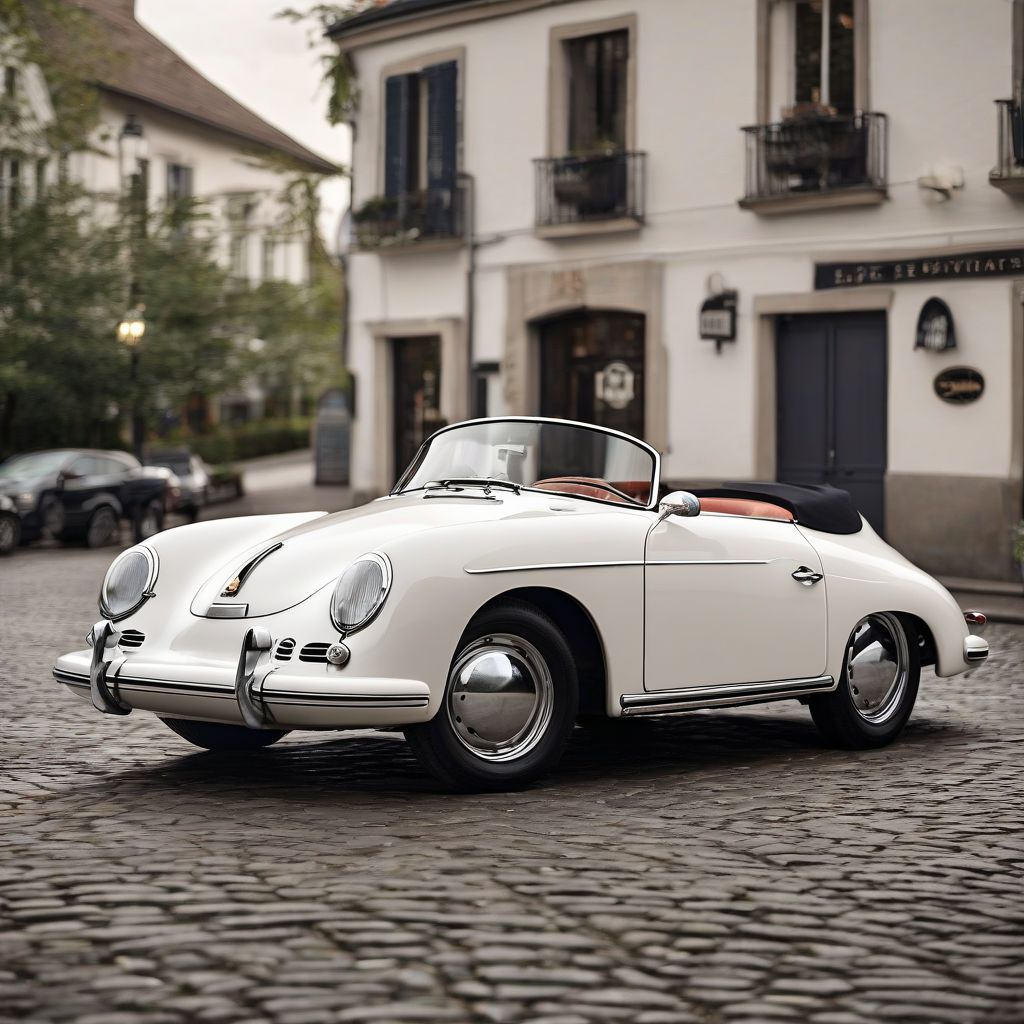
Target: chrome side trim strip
(605,565)
(694,697)
(553,565)
(71,678)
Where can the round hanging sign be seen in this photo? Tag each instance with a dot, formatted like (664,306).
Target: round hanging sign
(959,385)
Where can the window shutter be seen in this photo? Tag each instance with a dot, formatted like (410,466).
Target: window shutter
(396,134)
(442,88)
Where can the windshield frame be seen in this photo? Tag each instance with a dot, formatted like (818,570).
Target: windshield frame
(653,452)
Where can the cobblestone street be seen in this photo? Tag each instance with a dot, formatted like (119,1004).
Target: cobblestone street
(720,867)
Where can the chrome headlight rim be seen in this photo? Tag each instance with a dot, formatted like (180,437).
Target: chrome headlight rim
(384,563)
(147,591)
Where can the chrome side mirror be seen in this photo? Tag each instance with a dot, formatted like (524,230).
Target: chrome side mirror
(678,503)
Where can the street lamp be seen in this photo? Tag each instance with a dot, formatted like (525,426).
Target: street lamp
(130,332)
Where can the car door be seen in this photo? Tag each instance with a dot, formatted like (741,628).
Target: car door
(78,488)
(722,604)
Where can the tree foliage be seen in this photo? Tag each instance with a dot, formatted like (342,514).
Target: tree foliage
(339,73)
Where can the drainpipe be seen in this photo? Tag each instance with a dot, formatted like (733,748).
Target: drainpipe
(469,234)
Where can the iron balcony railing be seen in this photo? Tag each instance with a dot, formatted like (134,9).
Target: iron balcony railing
(433,214)
(577,189)
(1010,155)
(816,154)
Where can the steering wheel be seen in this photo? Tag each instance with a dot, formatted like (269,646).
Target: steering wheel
(593,482)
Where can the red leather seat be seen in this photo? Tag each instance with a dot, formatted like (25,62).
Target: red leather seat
(746,507)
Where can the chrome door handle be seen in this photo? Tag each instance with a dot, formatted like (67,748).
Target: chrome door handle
(808,577)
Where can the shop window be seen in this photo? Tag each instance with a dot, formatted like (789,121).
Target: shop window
(179,183)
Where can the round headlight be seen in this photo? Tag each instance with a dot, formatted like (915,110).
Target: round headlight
(360,592)
(128,581)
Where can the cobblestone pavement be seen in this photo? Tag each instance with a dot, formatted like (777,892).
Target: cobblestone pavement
(718,868)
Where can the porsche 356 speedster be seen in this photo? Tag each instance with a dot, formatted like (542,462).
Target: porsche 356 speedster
(523,575)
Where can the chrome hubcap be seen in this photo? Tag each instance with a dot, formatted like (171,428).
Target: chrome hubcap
(500,697)
(876,666)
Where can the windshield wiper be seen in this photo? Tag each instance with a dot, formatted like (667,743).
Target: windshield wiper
(486,483)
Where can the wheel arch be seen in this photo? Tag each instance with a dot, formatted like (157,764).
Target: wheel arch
(581,633)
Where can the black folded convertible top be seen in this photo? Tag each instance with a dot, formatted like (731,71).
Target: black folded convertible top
(816,506)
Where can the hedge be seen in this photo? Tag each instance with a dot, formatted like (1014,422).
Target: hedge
(250,440)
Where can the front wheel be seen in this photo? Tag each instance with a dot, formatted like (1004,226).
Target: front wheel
(148,520)
(102,528)
(509,704)
(215,736)
(878,687)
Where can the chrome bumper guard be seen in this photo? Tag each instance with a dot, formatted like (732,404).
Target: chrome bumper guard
(250,677)
(103,638)
(975,649)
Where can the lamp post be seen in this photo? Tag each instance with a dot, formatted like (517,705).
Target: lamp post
(130,332)
(132,152)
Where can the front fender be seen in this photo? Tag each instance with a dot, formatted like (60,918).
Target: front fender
(99,500)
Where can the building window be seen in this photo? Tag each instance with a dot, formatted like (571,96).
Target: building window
(42,167)
(179,183)
(269,258)
(240,210)
(10,104)
(824,56)
(421,198)
(598,67)
(10,183)
(420,129)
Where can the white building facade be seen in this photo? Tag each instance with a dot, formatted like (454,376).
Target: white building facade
(548,193)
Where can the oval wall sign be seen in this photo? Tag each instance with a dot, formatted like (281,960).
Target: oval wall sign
(959,384)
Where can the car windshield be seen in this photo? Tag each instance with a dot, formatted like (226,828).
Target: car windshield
(566,458)
(23,467)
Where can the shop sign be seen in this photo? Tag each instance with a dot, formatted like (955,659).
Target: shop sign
(718,318)
(615,385)
(959,385)
(935,327)
(966,266)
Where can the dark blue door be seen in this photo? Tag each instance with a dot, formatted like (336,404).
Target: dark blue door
(831,394)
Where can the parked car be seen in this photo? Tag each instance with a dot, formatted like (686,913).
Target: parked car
(193,480)
(10,525)
(522,575)
(200,484)
(84,494)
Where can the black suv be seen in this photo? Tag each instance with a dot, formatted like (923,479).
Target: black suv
(83,494)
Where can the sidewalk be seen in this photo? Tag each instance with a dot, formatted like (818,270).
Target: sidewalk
(999,600)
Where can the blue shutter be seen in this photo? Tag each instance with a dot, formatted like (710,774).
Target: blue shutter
(396,134)
(442,85)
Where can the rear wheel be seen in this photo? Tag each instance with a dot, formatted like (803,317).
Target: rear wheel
(509,705)
(10,532)
(878,688)
(102,527)
(215,736)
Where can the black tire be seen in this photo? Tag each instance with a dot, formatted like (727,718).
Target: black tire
(842,716)
(102,528)
(148,520)
(215,736)
(533,650)
(10,532)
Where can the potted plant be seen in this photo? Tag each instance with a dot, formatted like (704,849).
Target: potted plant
(592,179)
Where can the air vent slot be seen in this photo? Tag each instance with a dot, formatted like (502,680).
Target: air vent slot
(314,652)
(285,649)
(132,638)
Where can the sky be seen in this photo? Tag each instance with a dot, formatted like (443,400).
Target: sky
(264,63)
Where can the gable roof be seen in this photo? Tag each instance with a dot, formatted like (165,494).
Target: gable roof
(147,69)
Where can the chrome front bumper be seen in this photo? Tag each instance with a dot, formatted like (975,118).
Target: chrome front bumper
(257,691)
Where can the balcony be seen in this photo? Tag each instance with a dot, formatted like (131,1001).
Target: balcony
(428,219)
(1008,173)
(816,162)
(580,195)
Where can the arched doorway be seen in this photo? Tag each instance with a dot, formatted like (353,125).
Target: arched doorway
(592,368)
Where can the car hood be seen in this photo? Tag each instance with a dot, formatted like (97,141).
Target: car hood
(292,565)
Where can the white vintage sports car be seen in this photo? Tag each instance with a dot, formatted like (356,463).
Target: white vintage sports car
(522,576)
